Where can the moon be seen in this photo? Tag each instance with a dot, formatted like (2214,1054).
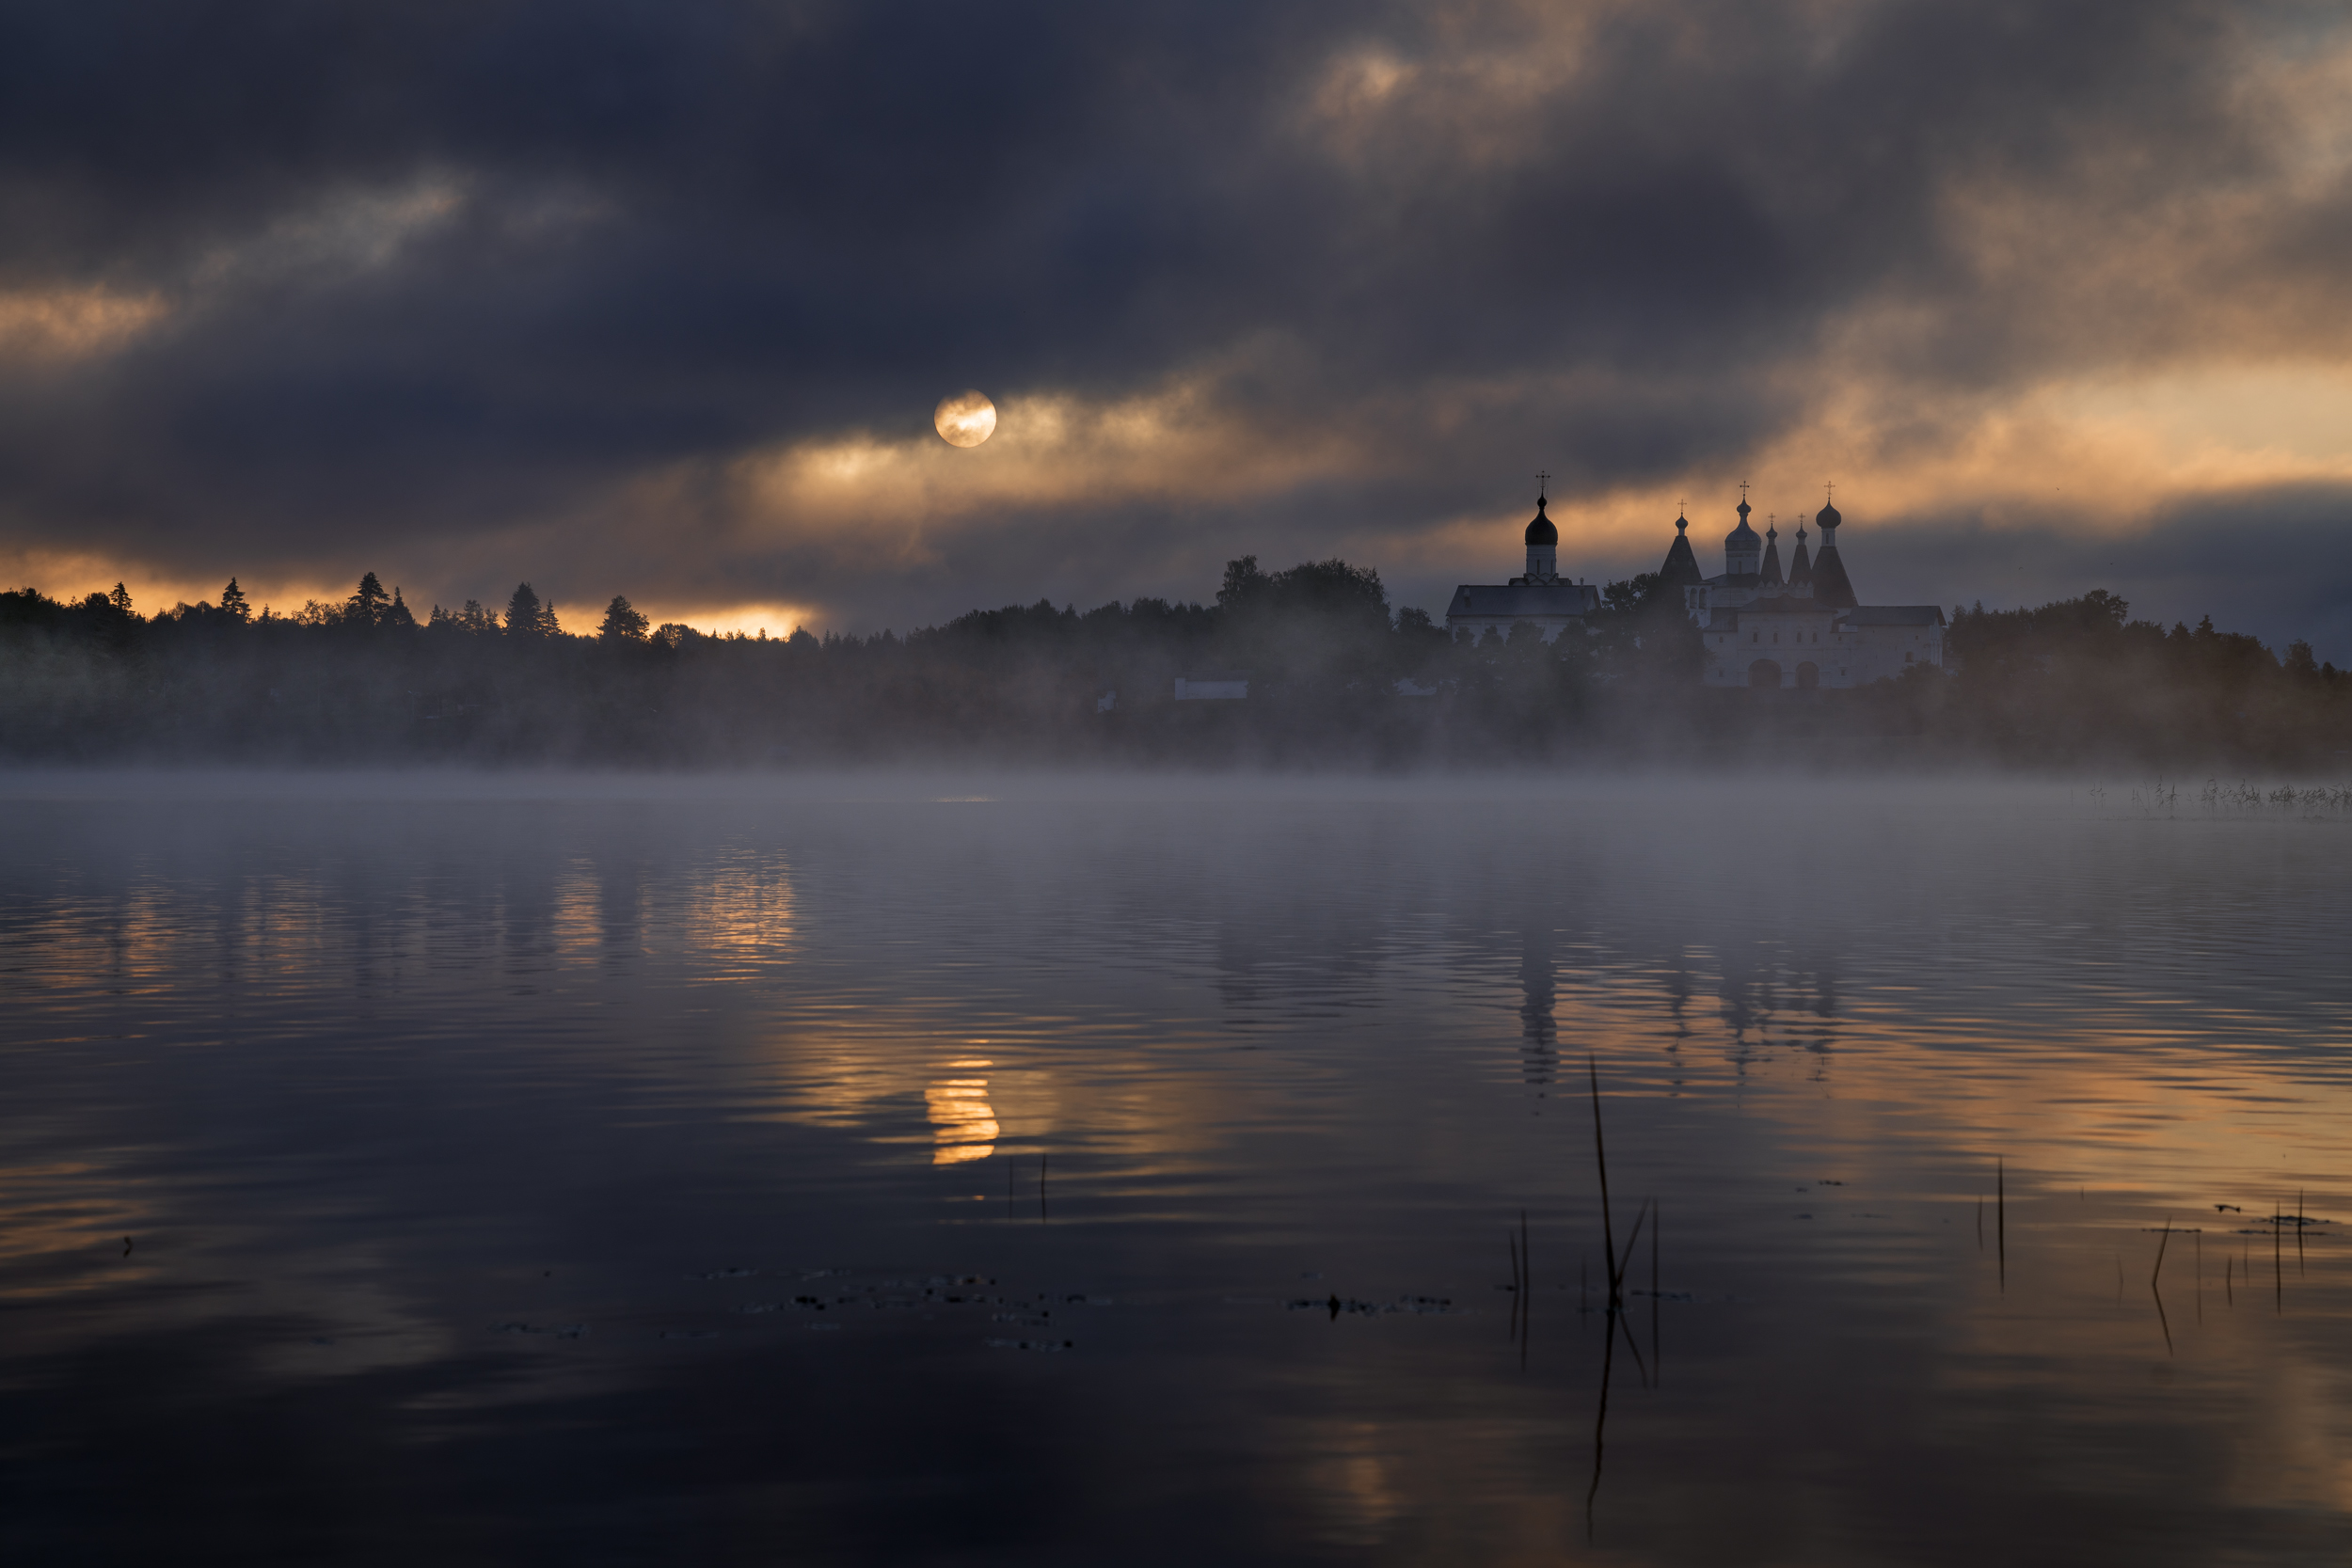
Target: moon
(965,420)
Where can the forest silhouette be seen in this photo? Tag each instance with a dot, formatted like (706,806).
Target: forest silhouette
(1335,678)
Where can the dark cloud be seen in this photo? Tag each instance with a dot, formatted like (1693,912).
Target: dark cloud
(442,285)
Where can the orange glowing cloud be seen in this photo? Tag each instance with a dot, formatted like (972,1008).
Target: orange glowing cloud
(41,326)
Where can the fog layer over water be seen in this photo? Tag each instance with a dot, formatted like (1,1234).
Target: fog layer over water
(979,1169)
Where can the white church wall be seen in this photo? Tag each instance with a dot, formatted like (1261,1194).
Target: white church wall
(1844,656)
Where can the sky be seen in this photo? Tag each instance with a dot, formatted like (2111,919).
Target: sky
(657,300)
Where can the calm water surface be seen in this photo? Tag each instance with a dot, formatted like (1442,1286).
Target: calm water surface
(899,1170)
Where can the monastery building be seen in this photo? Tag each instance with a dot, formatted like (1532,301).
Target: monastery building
(1801,630)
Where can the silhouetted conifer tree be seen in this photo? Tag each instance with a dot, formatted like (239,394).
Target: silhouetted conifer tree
(621,622)
(367,603)
(234,604)
(524,615)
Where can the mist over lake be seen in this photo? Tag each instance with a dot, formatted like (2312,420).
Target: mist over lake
(990,1167)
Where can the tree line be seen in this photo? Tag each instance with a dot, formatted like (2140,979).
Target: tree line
(1336,675)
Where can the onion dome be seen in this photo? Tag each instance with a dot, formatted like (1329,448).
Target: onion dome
(1828,517)
(1743,537)
(1540,532)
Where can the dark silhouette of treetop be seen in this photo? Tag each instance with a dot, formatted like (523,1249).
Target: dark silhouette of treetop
(368,602)
(527,617)
(621,622)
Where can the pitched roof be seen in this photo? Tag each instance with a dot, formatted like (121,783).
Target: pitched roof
(1523,598)
(1830,583)
(1682,569)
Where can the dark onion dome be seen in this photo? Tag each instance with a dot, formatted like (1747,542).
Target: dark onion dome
(1743,537)
(1540,532)
(1828,516)
(1682,569)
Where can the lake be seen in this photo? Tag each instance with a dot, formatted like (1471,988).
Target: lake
(976,1169)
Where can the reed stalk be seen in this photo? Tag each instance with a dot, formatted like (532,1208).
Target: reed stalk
(1600,1153)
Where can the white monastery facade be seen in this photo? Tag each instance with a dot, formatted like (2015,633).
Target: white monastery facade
(1801,630)
(1797,631)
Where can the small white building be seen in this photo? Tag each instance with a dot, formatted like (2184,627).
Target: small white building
(1542,598)
(1800,631)
(1214,686)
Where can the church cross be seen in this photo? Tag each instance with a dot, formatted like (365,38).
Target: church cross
(1543,482)
(1833,495)
(1743,489)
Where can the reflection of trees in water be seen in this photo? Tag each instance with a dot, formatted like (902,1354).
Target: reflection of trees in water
(1764,1001)
(1770,1000)
(1539,1031)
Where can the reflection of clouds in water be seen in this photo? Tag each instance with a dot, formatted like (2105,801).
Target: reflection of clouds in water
(743,910)
(57,1212)
(1352,1482)
(344,1125)
(962,1126)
